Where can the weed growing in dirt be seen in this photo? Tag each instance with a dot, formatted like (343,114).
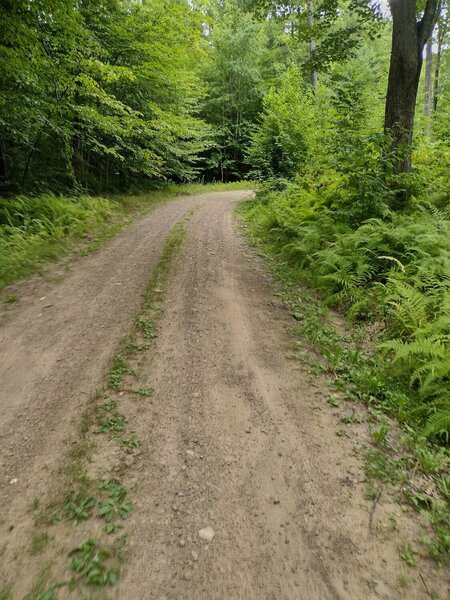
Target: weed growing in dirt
(147,328)
(143,391)
(333,401)
(6,299)
(158,282)
(111,528)
(132,443)
(79,509)
(118,372)
(402,581)
(380,435)
(349,419)
(107,406)
(143,347)
(48,594)
(438,546)
(74,464)
(113,425)
(111,508)
(379,465)
(408,553)
(49,516)
(92,565)
(119,546)
(129,345)
(116,504)
(39,541)
(114,489)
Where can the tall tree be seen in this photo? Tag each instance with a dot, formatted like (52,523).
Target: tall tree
(312,44)
(428,100)
(233,78)
(409,37)
(442,32)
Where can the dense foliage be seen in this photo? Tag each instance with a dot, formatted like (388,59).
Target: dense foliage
(98,94)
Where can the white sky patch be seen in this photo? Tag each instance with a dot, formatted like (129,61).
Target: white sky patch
(385,8)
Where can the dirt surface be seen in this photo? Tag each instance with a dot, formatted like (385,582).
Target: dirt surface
(237,439)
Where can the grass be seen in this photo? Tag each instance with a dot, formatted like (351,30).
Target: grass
(158,282)
(400,456)
(43,589)
(48,594)
(38,230)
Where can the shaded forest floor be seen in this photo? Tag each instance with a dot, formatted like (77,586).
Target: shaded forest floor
(162,435)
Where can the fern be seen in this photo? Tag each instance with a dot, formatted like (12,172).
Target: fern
(394,269)
(438,424)
(406,305)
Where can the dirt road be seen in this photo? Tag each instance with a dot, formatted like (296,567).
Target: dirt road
(236,438)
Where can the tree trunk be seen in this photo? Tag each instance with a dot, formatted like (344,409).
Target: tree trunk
(2,168)
(441,32)
(437,68)
(30,156)
(428,103)
(312,44)
(408,41)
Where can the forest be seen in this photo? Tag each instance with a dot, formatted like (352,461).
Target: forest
(338,111)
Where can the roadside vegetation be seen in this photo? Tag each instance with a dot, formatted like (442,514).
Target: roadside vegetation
(354,207)
(392,271)
(369,238)
(38,229)
(404,458)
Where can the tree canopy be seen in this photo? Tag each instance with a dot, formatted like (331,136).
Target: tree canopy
(111,94)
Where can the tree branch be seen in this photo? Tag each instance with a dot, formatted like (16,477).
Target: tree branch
(426,24)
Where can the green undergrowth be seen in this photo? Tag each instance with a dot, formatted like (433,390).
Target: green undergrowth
(37,230)
(415,465)
(391,272)
(86,502)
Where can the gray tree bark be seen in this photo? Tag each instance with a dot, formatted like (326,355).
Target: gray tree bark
(312,42)
(428,100)
(442,29)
